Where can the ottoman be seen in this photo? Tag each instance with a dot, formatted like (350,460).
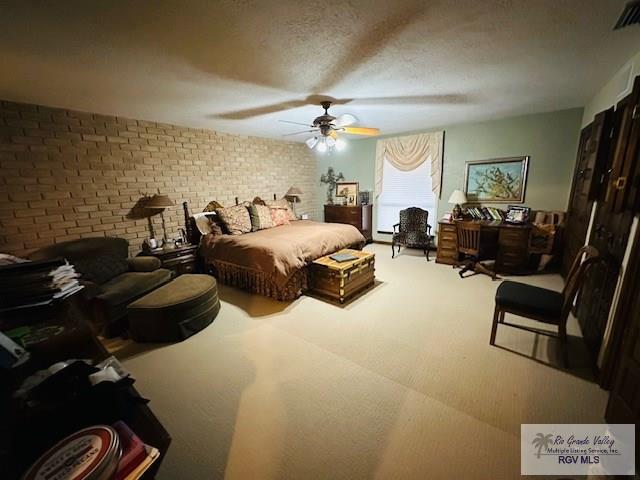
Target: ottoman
(174,311)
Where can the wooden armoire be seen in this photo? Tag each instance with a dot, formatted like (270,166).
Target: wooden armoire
(608,173)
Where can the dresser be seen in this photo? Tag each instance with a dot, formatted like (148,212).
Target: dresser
(509,242)
(360,216)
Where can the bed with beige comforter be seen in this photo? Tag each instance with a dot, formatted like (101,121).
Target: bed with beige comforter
(274,261)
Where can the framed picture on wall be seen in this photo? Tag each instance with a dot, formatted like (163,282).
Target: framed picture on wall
(499,180)
(344,189)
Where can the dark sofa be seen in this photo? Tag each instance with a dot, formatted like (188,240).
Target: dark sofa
(111,280)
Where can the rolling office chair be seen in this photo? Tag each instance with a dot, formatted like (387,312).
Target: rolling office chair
(470,246)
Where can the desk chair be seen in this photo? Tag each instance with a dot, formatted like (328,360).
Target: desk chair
(414,231)
(545,306)
(470,246)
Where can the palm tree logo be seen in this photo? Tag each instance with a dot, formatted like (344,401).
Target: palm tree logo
(542,441)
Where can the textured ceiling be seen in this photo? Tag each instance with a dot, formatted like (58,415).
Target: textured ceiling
(239,66)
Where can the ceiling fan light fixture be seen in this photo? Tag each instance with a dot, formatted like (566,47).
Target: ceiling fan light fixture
(322,146)
(340,144)
(330,141)
(311,142)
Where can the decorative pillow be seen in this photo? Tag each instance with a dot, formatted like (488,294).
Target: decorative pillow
(212,206)
(280,216)
(260,217)
(208,223)
(236,219)
(102,268)
(284,203)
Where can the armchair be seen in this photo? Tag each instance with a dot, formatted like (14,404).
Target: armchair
(412,231)
(111,280)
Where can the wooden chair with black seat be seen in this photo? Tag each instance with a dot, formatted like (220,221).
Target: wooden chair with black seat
(545,306)
(471,247)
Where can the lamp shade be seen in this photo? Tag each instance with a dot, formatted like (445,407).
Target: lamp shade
(458,197)
(293,192)
(159,201)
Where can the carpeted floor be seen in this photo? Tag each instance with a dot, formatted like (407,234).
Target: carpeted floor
(400,384)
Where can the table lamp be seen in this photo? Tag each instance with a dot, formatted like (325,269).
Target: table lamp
(457,198)
(293,195)
(160,202)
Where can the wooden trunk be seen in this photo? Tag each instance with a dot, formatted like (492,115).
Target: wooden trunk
(341,281)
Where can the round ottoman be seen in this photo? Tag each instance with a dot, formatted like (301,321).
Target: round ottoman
(176,310)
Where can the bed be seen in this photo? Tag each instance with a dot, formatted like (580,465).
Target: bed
(274,262)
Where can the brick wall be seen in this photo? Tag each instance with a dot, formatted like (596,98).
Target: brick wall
(66,175)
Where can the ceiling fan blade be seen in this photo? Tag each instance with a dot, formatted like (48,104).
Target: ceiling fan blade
(344,120)
(361,131)
(298,133)
(443,99)
(257,111)
(295,123)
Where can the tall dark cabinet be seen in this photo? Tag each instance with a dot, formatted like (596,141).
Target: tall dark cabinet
(588,180)
(360,216)
(617,200)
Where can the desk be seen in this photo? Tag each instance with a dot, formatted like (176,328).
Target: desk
(510,243)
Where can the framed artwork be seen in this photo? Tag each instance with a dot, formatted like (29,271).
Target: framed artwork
(351,199)
(499,180)
(344,189)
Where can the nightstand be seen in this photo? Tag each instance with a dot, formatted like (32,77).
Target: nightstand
(179,260)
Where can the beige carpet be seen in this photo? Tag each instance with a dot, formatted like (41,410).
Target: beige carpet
(400,384)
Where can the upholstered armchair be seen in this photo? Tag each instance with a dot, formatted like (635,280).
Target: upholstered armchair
(413,231)
(111,280)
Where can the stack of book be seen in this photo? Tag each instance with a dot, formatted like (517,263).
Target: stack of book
(486,213)
(36,283)
(136,457)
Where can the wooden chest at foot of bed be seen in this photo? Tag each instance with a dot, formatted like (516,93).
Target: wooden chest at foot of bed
(341,281)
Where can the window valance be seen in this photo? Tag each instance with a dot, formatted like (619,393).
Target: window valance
(409,152)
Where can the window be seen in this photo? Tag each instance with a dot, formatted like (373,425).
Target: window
(404,189)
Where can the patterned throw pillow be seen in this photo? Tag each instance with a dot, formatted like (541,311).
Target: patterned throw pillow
(236,219)
(260,217)
(284,203)
(212,206)
(280,216)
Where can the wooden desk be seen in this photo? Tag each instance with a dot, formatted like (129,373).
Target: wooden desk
(510,241)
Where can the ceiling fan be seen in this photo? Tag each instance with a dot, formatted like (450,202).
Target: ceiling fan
(326,127)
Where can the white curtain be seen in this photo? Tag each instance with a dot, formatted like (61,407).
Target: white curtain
(409,152)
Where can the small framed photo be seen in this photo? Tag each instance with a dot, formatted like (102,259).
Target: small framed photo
(351,199)
(344,189)
(517,214)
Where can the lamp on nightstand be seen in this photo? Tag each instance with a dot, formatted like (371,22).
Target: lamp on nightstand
(160,202)
(293,195)
(457,198)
